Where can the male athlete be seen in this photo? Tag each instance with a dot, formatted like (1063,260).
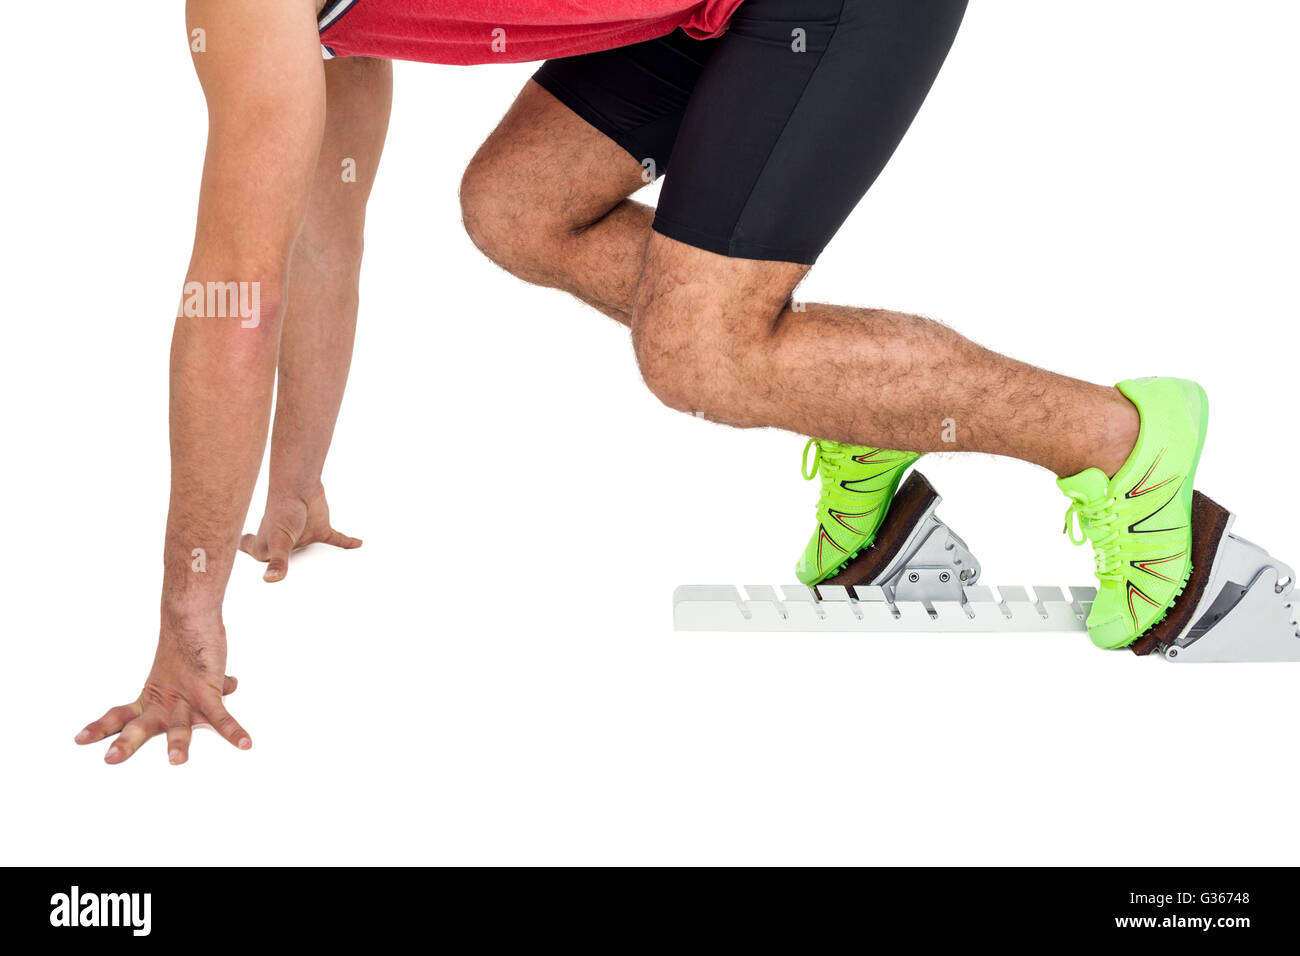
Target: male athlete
(771,118)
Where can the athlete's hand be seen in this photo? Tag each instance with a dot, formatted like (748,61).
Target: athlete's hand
(184,690)
(292,522)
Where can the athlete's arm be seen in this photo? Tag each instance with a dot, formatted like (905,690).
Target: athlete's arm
(321,314)
(260,67)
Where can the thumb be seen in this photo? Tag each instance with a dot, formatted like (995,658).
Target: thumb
(250,545)
(279,544)
(340,540)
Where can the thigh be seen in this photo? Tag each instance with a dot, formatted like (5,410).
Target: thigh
(634,95)
(544,166)
(587,131)
(794,116)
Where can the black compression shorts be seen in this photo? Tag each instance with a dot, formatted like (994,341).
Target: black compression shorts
(774,130)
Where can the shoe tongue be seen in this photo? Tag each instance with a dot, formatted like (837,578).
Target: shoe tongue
(1088,485)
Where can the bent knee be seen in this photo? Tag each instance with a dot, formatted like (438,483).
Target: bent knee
(485,212)
(702,326)
(688,365)
(508,226)
(675,381)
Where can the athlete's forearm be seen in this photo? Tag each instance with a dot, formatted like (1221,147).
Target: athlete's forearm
(315,355)
(221,381)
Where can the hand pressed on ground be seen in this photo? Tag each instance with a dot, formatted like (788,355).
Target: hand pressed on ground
(292,522)
(184,690)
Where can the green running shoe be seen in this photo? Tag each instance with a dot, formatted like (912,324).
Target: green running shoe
(1140,521)
(858,485)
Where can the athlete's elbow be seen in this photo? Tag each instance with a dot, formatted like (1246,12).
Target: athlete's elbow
(250,308)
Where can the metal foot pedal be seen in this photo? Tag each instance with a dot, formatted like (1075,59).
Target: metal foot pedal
(915,556)
(919,578)
(1239,604)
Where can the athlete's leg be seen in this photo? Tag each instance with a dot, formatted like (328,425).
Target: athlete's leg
(773,150)
(716,336)
(771,153)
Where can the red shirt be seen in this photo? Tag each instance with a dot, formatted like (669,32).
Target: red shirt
(508,31)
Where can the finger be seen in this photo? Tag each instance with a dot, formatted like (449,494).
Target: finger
(179,732)
(230,686)
(132,737)
(281,543)
(252,547)
(342,540)
(109,724)
(227,726)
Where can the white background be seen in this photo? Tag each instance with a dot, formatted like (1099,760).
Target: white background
(1105,188)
